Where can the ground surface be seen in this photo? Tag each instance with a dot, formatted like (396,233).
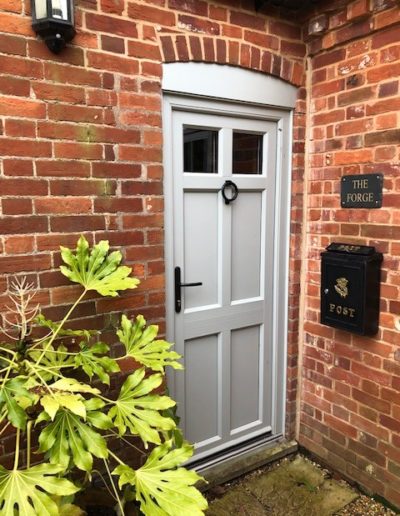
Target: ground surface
(295,487)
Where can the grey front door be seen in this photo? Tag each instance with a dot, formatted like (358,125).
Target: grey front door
(224,171)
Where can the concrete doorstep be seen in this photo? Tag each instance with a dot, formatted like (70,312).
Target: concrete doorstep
(293,488)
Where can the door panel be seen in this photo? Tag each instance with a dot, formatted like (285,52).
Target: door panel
(201,250)
(245,363)
(225,327)
(201,368)
(247,237)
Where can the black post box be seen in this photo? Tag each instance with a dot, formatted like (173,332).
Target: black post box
(350,284)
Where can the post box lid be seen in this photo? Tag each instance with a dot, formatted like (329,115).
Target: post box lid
(363,250)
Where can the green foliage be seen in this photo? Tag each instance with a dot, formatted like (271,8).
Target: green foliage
(97,269)
(138,410)
(141,344)
(95,361)
(41,386)
(12,391)
(68,438)
(162,487)
(19,490)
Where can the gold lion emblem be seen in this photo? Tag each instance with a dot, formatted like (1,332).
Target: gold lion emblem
(341,287)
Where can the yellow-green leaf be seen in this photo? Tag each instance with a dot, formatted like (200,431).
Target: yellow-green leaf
(162,487)
(28,492)
(138,410)
(141,344)
(52,403)
(97,269)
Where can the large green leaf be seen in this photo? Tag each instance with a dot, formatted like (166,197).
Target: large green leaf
(66,393)
(162,488)
(141,345)
(11,394)
(138,410)
(53,360)
(19,493)
(71,385)
(94,361)
(96,269)
(69,437)
(52,403)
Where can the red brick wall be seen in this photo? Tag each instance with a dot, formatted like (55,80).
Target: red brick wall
(350,396)
(81,139)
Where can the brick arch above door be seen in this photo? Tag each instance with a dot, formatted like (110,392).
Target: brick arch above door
(187,48)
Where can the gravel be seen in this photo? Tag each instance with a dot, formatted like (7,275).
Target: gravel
(366,506)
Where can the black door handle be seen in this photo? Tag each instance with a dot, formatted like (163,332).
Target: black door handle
(178,286)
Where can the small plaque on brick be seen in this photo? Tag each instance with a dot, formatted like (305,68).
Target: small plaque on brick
(362,191)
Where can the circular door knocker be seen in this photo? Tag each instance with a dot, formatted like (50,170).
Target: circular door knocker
(229,186)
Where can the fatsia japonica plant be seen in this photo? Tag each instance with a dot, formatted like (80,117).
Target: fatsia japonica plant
(51,394)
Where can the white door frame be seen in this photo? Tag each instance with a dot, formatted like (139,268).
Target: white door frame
(190,87)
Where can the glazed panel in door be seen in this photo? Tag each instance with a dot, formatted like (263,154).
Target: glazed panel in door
(224,328)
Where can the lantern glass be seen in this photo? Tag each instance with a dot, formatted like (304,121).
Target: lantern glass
(40,9)
(59,9)
(52,9)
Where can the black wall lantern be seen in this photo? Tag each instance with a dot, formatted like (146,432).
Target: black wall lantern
(53,20)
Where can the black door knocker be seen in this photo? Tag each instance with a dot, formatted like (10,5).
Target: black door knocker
(229,185)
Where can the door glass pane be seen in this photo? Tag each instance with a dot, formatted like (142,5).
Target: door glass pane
(247,153)
(200,151)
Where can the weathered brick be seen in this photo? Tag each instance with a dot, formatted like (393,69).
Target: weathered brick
(151,14)
(62,205)
(386,37)
(56,92)
(35,262)
(112,6)
(355,96)
(77,223)
(111,25)
(13,86)
(329,58)
(10,106)
(383,137)
(199,25)
(23,225)
(19,244)
(247,20)
(17,167)
(16,206)
(66,74)
(76,150)
(112,63)
(20,128)
(25,148)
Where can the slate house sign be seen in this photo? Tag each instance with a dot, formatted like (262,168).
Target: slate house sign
(361,191)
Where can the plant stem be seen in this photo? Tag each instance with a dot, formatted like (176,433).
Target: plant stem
(10,367)
(17,442)
(114,489)
(28,444)
(6,350)
(42,380)
(5,428)
(116,458)
(105,399)
(67,316)
(115,434)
